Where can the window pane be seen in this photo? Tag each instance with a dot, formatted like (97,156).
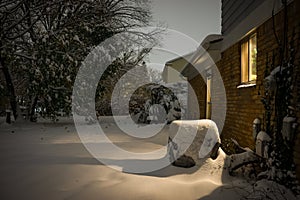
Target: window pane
(244,62)
(252,58)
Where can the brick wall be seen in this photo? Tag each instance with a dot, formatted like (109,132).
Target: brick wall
(244,104)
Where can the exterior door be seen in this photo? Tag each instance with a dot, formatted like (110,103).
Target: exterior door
(208,94)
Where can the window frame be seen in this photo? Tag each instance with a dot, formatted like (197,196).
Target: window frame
(245,73)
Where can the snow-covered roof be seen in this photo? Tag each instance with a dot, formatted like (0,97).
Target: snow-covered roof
(207,53)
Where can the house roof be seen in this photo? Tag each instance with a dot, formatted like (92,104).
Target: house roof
(207,54)
(176,64)
(184,64)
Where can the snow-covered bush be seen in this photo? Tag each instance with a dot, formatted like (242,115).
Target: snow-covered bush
(154,103)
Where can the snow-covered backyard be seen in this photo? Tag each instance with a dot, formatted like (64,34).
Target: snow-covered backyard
(47,160)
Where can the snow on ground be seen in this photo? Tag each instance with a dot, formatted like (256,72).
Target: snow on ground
(47,160)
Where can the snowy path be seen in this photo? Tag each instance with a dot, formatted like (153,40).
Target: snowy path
(48,161)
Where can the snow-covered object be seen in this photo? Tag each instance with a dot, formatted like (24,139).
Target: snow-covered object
(262,144)
(270,81)
(263,136)
(288,127)
(265,189)
(237,160)
(161,106)
(194,138)
(256,127)
(157,113)
(175,111)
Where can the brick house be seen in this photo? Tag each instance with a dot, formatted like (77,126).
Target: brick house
(247,44)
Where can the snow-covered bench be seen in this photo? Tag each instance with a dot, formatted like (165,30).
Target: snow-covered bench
(195,139)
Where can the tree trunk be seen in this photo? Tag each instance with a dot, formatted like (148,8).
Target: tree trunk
(8,120)
(32,109)
(10,87)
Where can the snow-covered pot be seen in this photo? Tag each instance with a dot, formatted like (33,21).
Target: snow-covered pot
(194,138)
(288,127)
(270,81)
(262,144)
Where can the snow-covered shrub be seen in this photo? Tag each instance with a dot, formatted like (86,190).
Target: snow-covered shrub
(154,103)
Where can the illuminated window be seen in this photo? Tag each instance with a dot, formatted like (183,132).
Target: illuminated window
(208,94)
(248,59)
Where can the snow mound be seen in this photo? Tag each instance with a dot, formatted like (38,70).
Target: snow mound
(194,138)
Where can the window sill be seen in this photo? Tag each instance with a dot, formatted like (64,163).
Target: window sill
(246,85)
